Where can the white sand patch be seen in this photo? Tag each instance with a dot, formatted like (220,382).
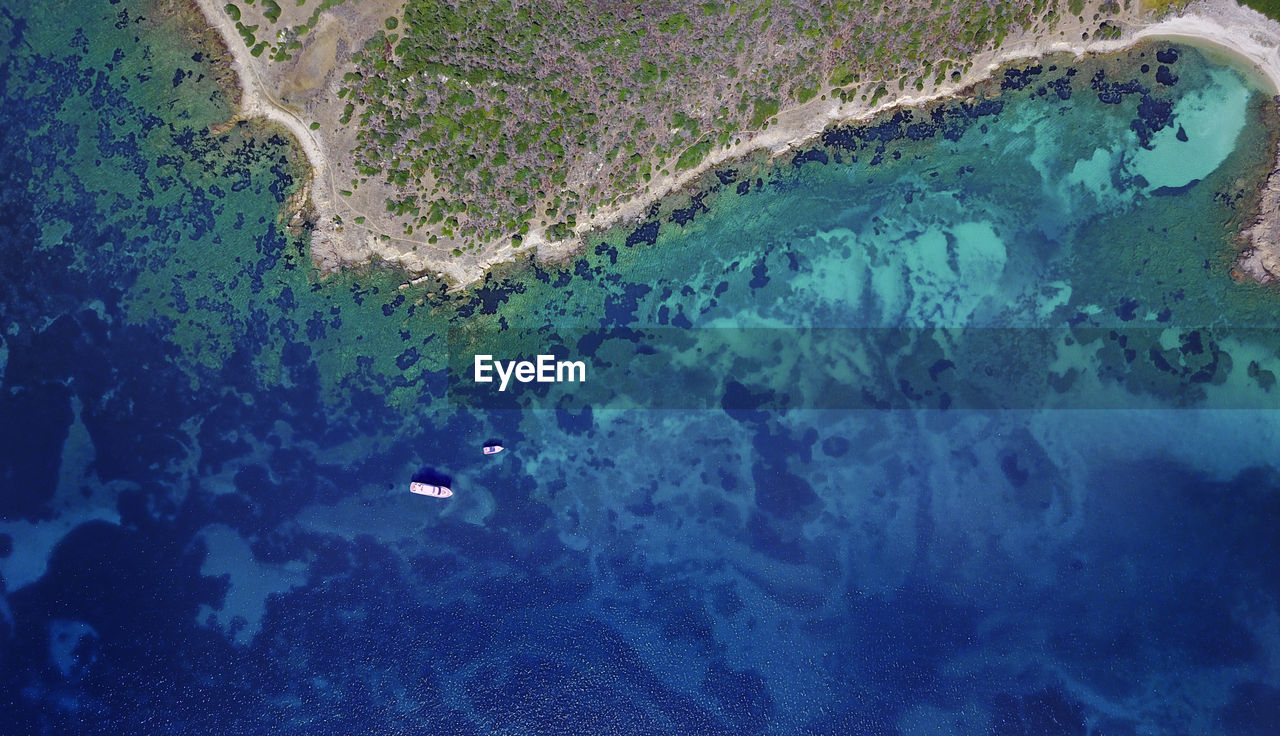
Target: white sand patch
(252,582)
(1053,295)
(33,542)
(78,455)
(1240,389)
(942,293)
(833,278)
(1093,175)
(1212,119)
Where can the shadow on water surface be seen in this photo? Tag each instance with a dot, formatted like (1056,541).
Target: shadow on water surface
(432,476)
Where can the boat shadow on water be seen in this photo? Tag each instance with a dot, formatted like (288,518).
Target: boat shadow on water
(432,477)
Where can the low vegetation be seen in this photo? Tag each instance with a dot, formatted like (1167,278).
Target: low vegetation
(489,118)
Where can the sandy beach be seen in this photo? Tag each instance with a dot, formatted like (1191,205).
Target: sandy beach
(1235,30)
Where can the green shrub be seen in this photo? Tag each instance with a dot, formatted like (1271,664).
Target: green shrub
(763,110)
(675,22)
(694,154)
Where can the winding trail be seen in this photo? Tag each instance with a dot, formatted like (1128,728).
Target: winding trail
(1234,29)
(256,101)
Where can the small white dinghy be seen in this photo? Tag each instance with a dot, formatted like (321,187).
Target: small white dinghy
(492,449)
(426,489)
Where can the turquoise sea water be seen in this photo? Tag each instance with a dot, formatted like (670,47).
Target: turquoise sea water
(204,523)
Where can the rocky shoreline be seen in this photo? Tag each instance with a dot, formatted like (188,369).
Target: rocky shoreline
(1221,24)
(1259,258)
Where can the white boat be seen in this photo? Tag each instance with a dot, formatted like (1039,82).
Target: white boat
(492,449)
(426,489)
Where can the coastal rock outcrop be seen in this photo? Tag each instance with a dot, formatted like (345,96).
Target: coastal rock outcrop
(1260,257)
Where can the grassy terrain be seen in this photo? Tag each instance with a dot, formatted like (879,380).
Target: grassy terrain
(276,33)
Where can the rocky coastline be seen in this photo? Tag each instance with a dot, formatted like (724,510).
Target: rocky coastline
(1221,24)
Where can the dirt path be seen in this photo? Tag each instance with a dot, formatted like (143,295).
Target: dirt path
(1237,30)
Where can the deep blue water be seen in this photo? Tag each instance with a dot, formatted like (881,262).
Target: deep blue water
(204,448)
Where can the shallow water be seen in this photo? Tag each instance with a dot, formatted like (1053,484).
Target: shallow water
(204,523)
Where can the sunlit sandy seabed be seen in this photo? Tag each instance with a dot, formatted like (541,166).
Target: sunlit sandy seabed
(204,450)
